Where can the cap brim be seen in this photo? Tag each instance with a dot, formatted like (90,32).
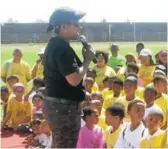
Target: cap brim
(80,15)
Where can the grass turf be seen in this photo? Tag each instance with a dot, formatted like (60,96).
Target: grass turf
(30,50)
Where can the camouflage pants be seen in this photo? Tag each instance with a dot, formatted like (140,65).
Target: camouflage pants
(65,123)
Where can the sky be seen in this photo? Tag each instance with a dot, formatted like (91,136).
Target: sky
(25,11)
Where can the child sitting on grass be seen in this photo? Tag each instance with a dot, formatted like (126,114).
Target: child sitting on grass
(11,81)
(37,83)
(4,103)
(4,99)
(45,129)
(19,112)
(37,109)
(37,138)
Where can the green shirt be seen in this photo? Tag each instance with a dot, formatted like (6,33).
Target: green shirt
(115,61)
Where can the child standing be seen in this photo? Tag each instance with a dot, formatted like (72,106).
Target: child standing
(131,136)
(154,122)
(130,86)
(160,83)
(110,99)
(97,96)
(140,90)
(150,96)
(90,135)
(88,83)
(96,104)
(114,118)
(108,91)
(92,74)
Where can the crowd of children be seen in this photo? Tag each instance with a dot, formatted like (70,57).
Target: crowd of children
(126,103)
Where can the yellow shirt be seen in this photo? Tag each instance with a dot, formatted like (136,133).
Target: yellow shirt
(102,122)
(164,135)
(162,102)
(108,101)
(154,141)
(123,101)
(106,92)
(95,88)
(19,110)
(40,71)
(139,93)
(22,70)
(111,138)
(40,68)
(146,74)
(102,73)
(121,73)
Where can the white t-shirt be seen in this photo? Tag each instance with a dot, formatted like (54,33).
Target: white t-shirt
(48,142)
(41,138)
(37,110)
(131,139)
(31,96)
(155,134)
(147,110)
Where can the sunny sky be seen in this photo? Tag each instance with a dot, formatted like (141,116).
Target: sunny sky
(112,10)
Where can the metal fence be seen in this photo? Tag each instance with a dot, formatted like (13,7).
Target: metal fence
(92,37)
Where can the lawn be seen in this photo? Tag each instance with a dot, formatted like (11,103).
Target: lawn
(30,50)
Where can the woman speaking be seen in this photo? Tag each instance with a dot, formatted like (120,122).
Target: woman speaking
(63,74)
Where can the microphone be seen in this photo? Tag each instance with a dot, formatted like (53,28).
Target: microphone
(86,45)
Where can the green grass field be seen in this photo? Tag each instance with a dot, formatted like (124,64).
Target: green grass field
(30,51)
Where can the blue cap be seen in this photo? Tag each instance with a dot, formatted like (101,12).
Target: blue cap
(63,16)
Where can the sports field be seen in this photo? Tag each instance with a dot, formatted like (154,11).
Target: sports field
(30,50)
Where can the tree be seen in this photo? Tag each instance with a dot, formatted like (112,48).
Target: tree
(11,20)
(103,20)
(39,21)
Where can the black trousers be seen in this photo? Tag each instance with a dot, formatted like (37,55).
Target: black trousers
(64,121)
